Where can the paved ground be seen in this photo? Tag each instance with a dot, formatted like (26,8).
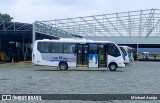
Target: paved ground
(137,78)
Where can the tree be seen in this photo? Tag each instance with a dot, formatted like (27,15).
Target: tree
(5,17)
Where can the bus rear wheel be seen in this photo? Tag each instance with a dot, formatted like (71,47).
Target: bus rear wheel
(63,66)
(112,66)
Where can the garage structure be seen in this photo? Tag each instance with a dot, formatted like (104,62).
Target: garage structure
(139,29)
(136,28)
(16,39)
(125,27)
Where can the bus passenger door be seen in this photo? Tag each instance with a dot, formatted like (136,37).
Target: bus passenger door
(93,55)
(102,55)
(82,55)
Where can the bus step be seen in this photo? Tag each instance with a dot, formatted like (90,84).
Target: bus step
(102,65)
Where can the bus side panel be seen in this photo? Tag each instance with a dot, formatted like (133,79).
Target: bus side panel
(53,59)
(118,60)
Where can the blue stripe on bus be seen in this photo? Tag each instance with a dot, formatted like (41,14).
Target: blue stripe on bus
(58,60)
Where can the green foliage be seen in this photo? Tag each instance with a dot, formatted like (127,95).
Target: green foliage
(152,55)
(5,17)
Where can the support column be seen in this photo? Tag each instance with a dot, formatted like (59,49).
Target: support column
(0,44)
(137,48)
(33,33)
(137,54)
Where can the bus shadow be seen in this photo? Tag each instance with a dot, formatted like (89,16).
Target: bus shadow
(78,70)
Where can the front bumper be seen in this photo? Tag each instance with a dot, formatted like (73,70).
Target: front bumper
(121,65)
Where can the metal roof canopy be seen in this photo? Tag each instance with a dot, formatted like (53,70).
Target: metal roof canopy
(16,31)
(132,23)
(15,26)
(42,28)
(19,32)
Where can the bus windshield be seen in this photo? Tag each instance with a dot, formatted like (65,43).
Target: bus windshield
(124,52)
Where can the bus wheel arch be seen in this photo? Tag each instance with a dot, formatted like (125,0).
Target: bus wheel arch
(63,65)
(112,66)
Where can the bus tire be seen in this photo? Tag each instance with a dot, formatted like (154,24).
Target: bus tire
(63,66)
(112,66)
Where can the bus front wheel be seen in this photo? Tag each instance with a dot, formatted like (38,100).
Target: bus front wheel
(112,66)
(63,66)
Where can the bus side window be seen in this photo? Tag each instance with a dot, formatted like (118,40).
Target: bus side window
(53,50)
(93,49)
(73,49)
(69,48)
(56,47)
(43,47)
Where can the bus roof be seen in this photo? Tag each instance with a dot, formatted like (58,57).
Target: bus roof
(88,41)
(63,40)
(72,40)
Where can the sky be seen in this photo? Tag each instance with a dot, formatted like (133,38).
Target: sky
(28,11)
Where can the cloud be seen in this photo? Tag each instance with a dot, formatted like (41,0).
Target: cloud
(31,10)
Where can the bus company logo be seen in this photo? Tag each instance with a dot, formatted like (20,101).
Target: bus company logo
(6,97)
(60,58)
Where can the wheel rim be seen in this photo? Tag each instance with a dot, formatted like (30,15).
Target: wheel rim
(63,66)
(113,67)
